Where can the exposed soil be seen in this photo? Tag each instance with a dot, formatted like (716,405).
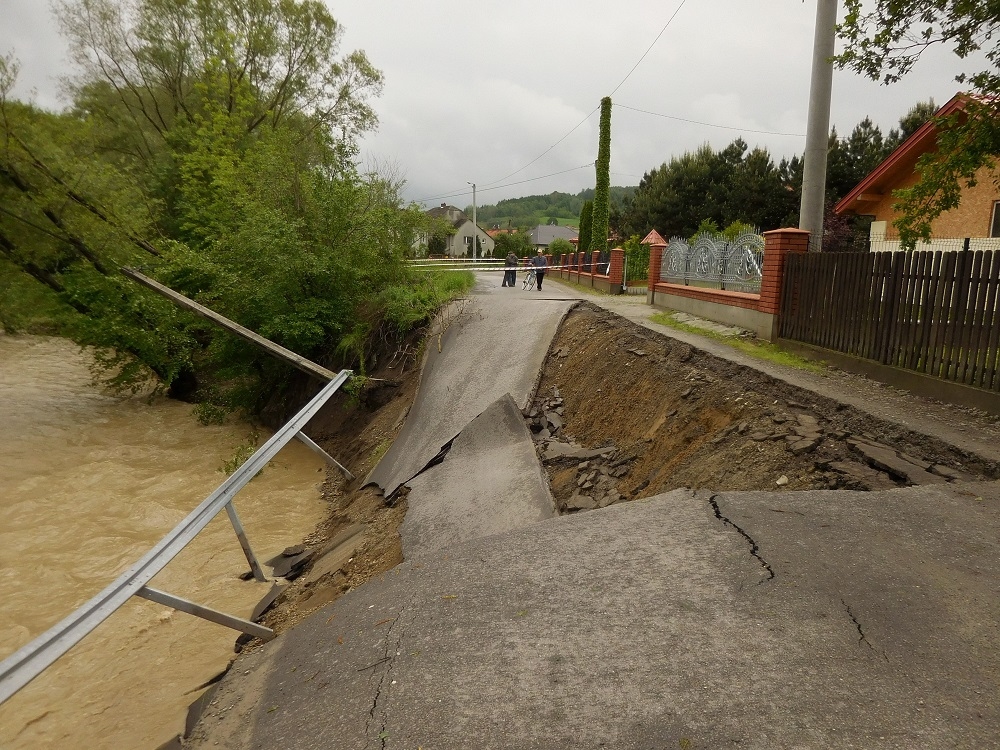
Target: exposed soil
(356,430)
(680,418)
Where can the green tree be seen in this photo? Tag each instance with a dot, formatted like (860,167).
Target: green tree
(883,39)
(586,225)
(851,159)
(518,243)
(910,123)
(211,142)
(602,196)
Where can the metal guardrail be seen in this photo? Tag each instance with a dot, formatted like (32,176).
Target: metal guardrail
(21,667)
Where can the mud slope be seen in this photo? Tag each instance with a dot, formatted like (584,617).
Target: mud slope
(678,417)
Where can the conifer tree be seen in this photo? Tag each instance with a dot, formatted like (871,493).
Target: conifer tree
(602,188)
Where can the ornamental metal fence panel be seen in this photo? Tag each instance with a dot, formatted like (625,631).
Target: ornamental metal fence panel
(603,262)
(714,262)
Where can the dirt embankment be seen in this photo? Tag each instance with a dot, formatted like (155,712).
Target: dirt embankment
(677,417)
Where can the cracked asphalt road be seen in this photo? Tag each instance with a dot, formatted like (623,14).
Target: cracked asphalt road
(815,619)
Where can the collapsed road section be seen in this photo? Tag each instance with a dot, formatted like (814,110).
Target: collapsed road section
(623,413)
(681,617)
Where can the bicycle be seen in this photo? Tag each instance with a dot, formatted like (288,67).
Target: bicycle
(529,279)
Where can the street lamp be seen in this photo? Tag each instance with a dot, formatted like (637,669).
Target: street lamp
(475,226)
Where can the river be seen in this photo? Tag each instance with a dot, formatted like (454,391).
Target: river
(88,483)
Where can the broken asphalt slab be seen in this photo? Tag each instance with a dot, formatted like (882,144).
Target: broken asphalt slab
(492,344)
(489,482)
(814,619)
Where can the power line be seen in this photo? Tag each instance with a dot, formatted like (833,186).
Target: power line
(501,187)
(669,20)
(549,148)
(591,114)
(709,124)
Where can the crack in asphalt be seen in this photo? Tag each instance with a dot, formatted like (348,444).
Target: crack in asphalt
(754,548)
(862,638)
(438,458)
(389,656)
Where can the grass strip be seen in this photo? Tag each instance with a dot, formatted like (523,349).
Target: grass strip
(763,350)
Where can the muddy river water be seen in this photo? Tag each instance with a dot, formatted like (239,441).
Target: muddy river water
(88,483)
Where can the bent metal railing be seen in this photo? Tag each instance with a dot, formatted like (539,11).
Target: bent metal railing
(21,667)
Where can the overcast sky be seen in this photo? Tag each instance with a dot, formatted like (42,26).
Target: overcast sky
(490,92)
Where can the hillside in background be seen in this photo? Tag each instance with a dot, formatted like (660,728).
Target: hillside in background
(532,210)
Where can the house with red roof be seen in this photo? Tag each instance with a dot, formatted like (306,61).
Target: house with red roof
(976,216)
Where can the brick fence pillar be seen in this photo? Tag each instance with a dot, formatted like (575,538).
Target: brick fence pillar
(655,261)
(777,245)
(616,271)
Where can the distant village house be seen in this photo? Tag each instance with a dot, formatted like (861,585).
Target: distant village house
(459,243)
(543,234)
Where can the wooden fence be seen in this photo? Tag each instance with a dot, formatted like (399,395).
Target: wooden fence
(931,312)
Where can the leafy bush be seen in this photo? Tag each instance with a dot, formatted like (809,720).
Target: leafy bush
(560,246)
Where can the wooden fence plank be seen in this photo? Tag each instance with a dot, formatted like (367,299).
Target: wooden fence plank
(824,287)
(929,314)
(905,322)
(921,279)
(942,305)
(857,303)
(956,316)
(989,321)
(870,312)
(971,309)
(989,380)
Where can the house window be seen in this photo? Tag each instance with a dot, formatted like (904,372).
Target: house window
(995,224)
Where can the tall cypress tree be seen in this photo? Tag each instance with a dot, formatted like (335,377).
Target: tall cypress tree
(602,190)
(586,224)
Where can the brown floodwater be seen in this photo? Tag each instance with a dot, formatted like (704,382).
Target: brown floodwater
(88,483)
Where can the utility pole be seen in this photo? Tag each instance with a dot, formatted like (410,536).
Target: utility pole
(475,226)
(818,127)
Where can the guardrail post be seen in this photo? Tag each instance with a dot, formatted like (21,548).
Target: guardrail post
(258,572)
(326,456)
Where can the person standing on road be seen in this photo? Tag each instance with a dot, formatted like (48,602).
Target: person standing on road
(510,272)
(540,263)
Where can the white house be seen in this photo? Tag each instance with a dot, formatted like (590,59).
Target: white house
(459,244)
